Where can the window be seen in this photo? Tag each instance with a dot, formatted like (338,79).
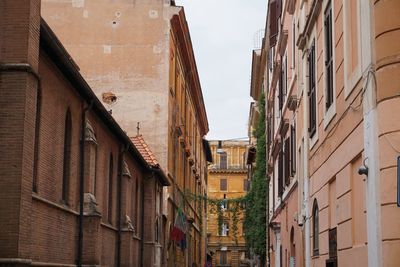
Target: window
(312,91)
(293,47)
(223,185)
(328,57)
(282,83)
(287,161)
(224,229)
(110,189)
(315,229)
(67,156)
(157,231)
(280,173)
(223,160)
(37,137)
(292,150)
(223,258)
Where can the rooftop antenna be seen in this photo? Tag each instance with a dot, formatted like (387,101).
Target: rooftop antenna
(258,38)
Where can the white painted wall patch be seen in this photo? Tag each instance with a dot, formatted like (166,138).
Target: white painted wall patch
(107,49)
(78,3)
(153,14)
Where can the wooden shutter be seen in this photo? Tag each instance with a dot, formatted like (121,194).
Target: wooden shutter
(273,23)
(328,57)
(292,150)
(280,174)
(287,161)
(223,184)
(311,92)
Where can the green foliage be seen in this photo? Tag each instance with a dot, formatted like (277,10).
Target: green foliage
(255,224)
(232,213)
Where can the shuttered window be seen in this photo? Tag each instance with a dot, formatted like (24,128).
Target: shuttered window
(223,184)
(273,23)
(287,161)
(223,163)
(312,91)
(280,174)
(292,150)
(328,57)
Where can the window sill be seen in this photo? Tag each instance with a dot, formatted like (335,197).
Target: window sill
(329,115)
(313,140)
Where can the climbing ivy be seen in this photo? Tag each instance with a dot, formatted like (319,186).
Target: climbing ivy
(234,209)
(255,225)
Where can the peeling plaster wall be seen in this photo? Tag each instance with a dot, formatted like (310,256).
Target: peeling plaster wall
(121,47)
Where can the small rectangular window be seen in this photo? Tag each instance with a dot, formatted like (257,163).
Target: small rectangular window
(223,161)
(223,184)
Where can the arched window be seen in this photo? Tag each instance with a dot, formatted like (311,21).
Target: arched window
(110,188)
(67,156)
(315,221)
(37,136)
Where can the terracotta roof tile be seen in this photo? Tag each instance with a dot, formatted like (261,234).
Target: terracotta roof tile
(144,150)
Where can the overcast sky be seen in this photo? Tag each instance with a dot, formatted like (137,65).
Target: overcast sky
(222,33)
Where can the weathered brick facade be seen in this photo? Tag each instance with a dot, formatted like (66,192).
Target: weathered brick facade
(48,117)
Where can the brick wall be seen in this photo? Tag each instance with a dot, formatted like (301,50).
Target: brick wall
(42,227)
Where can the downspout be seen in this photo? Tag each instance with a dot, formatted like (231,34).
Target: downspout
(119,190)
(81,183)
(142,223)
(306,212)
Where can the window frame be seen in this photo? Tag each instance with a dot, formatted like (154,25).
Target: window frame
(312,90)
(67,151)
(329,72)
(221,183)
(315,229)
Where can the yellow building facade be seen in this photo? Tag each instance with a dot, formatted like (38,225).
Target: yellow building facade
(227,179)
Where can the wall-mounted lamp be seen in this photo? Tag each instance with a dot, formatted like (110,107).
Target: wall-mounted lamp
(363,170)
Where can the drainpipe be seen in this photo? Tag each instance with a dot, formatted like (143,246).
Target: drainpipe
(142,224)
(371,139)
(119,190)
(306,149)
(81,183)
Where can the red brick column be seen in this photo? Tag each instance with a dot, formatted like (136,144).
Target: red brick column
(19,43)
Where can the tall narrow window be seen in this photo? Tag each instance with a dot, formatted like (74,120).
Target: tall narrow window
(110,189)
(293,47)
(223,164)
(328,56)
(67,156)
(292,150)
(37,137)
(223,258)
(280,173)
(287,161)
(312,91)
(315,221)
